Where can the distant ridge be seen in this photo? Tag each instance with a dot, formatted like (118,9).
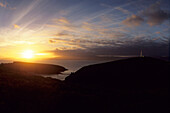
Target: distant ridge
(35,68)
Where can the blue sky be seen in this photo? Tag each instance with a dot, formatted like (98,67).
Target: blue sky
(84,29)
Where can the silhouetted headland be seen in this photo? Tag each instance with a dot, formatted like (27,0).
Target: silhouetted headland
(136,72)
(134,85)
(36,68)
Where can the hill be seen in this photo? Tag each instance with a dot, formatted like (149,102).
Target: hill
(23,92)
(35,68)
(134,85)
(132,73)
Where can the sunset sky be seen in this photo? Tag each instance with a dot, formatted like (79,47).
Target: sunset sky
(83,29)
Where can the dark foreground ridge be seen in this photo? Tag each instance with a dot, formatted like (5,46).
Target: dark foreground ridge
(139,72)
(135,85)
(35,68)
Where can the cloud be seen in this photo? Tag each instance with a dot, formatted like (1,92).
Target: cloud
(87,26)
(64,34)
(20,16)
(150,48)
(62,20)
(64,12)
(4,5)
(107,19)
(16,26)
(84,30)
(75,54)
(84,42)
(63,25)
(155,15)
(52,41)
(108,49)
(133,20)
(123,10)
(158,32)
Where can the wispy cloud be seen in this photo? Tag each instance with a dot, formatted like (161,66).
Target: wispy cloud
(4,5)
(26,10)
(62,20)
(123,10)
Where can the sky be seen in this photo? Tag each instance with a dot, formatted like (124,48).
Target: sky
(84,29)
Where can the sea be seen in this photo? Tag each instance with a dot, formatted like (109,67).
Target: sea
(71,65)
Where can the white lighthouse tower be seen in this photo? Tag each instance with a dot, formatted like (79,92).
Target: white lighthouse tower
(141,54)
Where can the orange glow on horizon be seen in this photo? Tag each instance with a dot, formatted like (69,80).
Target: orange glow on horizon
(28,53)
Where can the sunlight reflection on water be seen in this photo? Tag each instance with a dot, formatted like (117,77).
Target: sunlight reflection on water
(59,76)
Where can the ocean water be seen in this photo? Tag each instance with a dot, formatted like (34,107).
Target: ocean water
(71,65)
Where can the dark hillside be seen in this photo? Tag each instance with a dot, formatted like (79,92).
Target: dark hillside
(132,73)
(22,92)
(135,85)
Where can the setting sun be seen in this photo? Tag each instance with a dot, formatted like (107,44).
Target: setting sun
(28,54)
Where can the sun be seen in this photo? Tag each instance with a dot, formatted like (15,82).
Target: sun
(28,54)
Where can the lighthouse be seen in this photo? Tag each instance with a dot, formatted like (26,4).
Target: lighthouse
(141,54)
